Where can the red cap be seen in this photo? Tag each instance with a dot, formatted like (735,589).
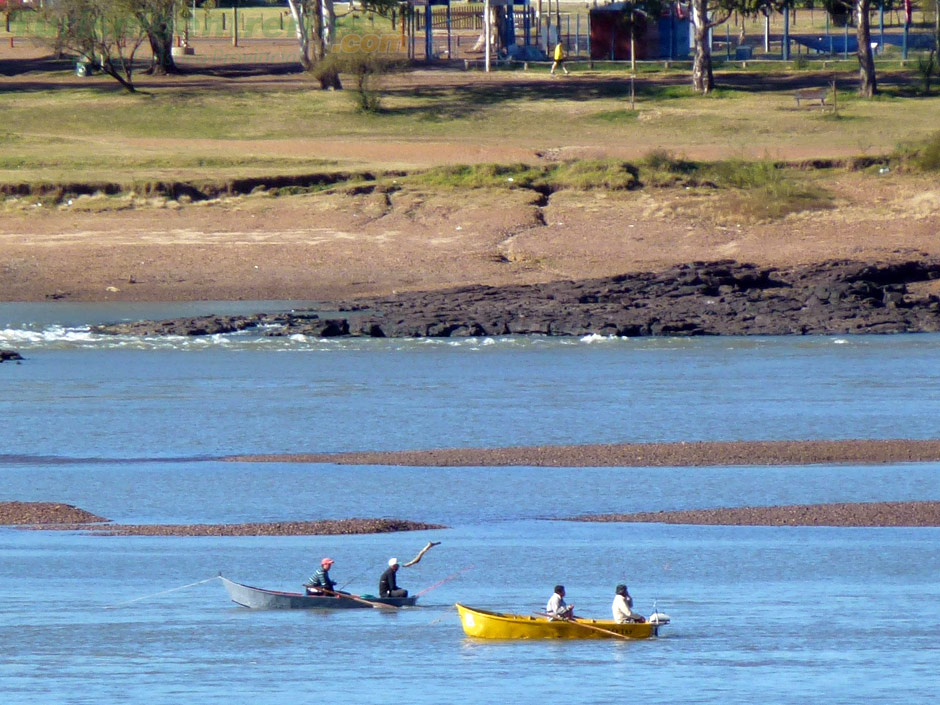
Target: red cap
(326,561)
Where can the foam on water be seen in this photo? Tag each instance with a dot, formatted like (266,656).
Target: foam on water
(61,337)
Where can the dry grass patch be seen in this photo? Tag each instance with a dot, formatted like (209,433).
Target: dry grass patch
(735,190)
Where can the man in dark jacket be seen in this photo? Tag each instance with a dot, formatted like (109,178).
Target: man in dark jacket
(388,585)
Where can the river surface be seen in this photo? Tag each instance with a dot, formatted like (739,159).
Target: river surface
(131,429)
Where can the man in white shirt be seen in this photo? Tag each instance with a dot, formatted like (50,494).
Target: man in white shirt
(557,607)
(623,607)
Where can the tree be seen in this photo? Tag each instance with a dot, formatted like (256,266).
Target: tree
(705,15)
(313,20)
(9,8)
(301,11)
(104,33)
(313,23)
(867,86)
(156,19)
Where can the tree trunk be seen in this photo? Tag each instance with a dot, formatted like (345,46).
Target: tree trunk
(329,22)
(303,38)
(936,21)
(867,86)
(703,80)
(319,47)
(109,68)
(161,45)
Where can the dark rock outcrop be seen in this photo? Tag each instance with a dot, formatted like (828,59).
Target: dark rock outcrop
(9,355)
(702,298)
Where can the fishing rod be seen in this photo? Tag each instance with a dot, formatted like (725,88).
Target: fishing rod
(446,580)
(162,592)
(370,569)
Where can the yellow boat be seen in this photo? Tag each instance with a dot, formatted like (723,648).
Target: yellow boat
(496,625)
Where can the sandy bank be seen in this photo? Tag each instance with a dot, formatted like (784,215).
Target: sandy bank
(637,454)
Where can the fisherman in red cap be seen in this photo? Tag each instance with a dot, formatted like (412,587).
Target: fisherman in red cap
(321,580)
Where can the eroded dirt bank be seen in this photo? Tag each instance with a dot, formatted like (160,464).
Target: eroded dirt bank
(637,454)
(345,244)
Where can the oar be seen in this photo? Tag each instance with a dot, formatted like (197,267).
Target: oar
(356,598)
(586,626)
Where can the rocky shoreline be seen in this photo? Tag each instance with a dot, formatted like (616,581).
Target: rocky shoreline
(722,297)
(839,514)
(682,454)
(66,517)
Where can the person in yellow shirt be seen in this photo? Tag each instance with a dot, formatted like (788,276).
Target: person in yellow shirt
(559,59)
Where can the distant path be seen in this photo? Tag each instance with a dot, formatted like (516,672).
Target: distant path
(637,454)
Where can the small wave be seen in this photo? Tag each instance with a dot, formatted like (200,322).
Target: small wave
(51,336)
(598,338)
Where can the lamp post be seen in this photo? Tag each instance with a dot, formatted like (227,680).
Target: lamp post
(235,24)
(486,35)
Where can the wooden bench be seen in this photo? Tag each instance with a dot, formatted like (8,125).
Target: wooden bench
(820,94)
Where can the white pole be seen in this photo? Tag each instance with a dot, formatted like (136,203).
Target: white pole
(486,34)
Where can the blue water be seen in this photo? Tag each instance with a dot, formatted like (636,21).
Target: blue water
(127,428)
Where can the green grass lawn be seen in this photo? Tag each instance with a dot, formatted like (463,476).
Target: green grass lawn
(197,128)
(93,130)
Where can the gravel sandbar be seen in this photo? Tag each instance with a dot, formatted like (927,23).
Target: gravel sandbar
(637,454)
(65,517)
(839,514)
(38,513)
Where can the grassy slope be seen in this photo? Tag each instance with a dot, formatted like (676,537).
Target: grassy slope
(91,131)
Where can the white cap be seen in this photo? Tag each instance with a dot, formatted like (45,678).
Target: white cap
(392,561)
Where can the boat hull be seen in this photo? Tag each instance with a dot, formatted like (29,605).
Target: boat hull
(496,625)
(262,599)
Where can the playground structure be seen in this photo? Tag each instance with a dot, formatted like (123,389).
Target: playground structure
(444,31)
(528,31)
(430,31)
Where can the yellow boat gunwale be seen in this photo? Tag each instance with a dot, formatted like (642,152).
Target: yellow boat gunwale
(484,624)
